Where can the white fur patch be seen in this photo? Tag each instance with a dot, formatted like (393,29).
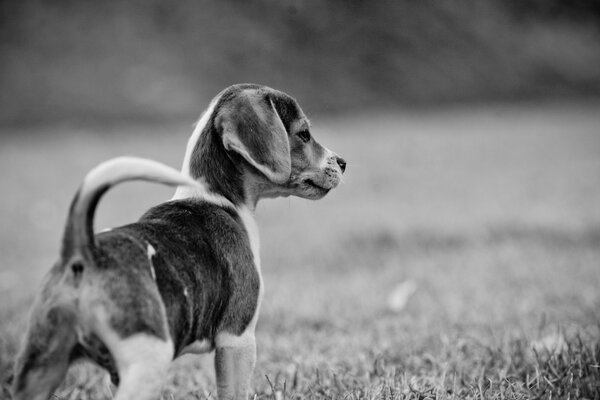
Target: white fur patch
(197,347)
(200,191)
(151,251)
(142,361)
(252,230)
(247,338)
(191,144)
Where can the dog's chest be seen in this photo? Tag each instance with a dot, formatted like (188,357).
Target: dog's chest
(253,237)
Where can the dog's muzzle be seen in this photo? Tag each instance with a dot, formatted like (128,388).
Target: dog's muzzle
(317,184)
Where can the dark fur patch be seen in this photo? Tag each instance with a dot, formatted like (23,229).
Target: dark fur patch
(205,272)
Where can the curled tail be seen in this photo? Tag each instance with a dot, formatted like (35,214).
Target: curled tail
(78,239)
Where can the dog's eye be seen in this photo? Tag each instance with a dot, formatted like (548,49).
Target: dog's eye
(304,135)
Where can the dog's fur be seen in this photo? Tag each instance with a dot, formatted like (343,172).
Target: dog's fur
(185,277)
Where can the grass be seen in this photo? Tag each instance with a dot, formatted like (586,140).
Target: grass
(492,212)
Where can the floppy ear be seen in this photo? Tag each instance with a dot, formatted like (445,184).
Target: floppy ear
(252,128)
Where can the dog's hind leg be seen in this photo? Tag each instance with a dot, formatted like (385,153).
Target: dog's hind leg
(44,359)
(142,361)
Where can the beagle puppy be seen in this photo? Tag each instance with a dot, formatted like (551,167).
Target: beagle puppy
(186,277)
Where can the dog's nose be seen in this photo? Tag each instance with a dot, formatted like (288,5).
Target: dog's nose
(342,163)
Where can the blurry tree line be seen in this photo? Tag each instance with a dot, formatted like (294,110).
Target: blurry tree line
(89,60)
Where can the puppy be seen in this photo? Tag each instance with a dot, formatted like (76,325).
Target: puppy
(186,277)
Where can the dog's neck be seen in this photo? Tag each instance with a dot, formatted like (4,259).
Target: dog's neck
(220,172)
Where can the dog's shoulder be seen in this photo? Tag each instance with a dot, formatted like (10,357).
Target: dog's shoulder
(178,224)
(191,212)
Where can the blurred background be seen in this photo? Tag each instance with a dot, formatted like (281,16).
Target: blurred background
(464,242)
(131,60)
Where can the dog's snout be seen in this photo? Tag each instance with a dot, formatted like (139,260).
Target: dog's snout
(341,162)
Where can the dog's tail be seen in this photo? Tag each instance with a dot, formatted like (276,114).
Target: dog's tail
(78,239)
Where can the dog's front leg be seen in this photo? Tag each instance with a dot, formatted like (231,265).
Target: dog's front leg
(234,363)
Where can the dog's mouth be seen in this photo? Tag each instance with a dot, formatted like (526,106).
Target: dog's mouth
(312,190)
(313,184)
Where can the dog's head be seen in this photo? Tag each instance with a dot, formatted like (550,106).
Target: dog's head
(259,139)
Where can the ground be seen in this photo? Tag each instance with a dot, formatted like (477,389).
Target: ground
(491,214)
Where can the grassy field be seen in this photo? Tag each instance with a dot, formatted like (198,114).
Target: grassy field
(492,215)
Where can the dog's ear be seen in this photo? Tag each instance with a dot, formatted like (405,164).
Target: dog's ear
(252,128)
